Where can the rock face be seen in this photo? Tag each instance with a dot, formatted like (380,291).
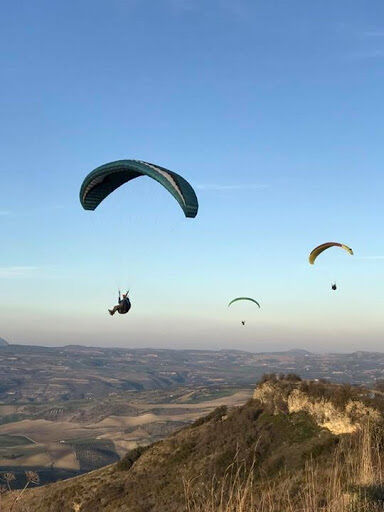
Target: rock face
(344,419)
(3,343)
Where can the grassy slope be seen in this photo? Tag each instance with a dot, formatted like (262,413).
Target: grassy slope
(276,449)
(155,481)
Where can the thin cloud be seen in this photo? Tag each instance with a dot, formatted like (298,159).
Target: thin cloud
(14,272)
(370,44)
(236,9)
(239,9)
(223,188)
(374,33)
(369,257)
(369,54)
(32,211)
(183,5)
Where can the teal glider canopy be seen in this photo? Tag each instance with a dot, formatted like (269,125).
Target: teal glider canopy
(108,177)
(243,298)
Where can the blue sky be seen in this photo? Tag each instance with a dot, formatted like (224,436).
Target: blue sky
(274,113)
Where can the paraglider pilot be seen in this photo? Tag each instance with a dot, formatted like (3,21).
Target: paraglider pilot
(123,306)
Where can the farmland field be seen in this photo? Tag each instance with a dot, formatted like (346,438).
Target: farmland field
(9,440)
(72,409)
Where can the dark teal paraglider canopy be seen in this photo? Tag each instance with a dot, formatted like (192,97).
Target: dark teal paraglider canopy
(244,298)
(105,179)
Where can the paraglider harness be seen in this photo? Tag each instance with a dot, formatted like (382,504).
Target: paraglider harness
(124,304)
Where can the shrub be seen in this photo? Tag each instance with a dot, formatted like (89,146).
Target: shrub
(215,415)
(268,377)
(379,385)
(292,377)
(130,458)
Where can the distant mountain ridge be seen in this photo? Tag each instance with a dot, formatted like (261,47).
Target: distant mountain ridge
(299,351)
(35,368)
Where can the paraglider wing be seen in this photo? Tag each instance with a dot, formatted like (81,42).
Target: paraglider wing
(243,298)
(323,247)
(105,179)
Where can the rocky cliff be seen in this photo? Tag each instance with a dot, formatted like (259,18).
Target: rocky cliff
(340,409)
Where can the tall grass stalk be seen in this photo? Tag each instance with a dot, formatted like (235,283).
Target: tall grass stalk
(351,480)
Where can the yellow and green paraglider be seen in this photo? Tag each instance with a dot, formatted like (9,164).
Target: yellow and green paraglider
(323,247)
(243,298)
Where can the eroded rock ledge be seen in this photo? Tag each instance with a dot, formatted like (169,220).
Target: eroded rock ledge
(288,397)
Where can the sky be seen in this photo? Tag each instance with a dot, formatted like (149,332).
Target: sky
(272,110)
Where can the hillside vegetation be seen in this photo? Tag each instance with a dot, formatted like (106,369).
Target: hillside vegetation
(277,453)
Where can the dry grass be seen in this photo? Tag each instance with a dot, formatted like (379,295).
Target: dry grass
(352,482)
(245,460)
(16,501)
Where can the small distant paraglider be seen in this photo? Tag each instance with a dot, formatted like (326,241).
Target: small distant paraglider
(243,298)
(323,247)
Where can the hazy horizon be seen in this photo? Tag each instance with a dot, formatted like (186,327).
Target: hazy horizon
(270,349)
